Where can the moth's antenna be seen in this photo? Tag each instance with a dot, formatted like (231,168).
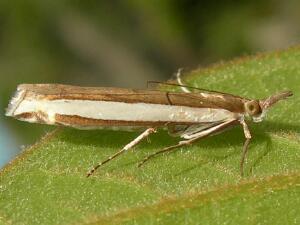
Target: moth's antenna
(186,86)
(170,84)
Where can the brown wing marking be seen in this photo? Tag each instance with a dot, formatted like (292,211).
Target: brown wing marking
(197,100)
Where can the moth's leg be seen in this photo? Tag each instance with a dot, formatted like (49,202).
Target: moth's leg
(246,144)
(179,81)
(195,137)
(131,144)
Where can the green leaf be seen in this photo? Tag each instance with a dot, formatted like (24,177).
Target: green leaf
(199,184)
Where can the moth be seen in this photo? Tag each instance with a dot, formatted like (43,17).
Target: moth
(192,115)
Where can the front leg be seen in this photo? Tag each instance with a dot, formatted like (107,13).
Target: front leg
(246,144)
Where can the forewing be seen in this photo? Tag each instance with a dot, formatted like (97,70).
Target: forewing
(198,100)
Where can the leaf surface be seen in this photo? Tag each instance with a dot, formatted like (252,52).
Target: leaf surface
(199,184)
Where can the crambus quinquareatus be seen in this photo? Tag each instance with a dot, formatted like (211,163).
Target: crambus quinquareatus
(190,115)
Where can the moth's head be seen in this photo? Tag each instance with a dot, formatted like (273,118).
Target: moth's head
(258,108)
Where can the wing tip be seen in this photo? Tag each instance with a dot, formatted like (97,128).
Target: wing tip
(16,99)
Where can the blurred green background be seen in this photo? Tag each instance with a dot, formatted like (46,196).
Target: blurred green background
(126,43)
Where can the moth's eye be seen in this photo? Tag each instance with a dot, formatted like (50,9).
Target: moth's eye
(252,108)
